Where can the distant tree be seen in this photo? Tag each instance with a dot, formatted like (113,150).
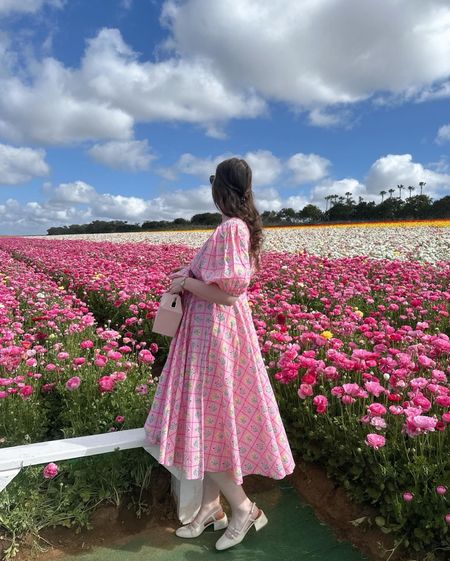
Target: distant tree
(388,209)
(287,215)
(441,208)
(207,219)
(310,213)
(415,208)
(181,221)
(382,193)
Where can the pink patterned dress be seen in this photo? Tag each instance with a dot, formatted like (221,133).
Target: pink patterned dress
(214,408)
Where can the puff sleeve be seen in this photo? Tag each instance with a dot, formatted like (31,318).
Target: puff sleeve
(227,260)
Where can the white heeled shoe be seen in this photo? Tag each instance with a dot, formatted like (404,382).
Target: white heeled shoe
(233,536)
(193,530)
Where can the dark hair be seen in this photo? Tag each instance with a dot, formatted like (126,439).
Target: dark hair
(232,194)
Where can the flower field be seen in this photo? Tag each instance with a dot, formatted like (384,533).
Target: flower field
(354,327)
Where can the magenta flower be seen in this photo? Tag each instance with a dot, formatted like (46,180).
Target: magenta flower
(375,441)
(408,496)
(106,384)
(146,356)
(25,391)
(73,383)
(377,409)
(50,471)
(321,403)
(119,419)
(441,490)
(86,344)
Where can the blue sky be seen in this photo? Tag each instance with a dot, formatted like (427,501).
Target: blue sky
(121,109)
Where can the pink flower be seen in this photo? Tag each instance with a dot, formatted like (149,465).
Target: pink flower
(146,357)
(396,409)
(375,440)
(114,355)
(426,361)
(374,388)
(119,419)
(321,403)
(3,395)
(106,384)
(50,471)
(62,355)
(50,367)
(441,490)
(86,344)
(447,518)
(78,361)
(418,424)
(422,402)
(100,361)
(377,409)
(73,383)
(443,400)
(142,389)
(304,391)
(378,422)
(408,496)
(351,389)
(25,391)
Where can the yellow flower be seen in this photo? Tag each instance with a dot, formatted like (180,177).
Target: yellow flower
(326,334)
(359,313)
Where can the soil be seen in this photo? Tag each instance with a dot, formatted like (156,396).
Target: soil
(117,525)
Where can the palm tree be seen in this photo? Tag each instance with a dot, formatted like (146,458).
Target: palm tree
(421,185)
(327,198)
(348,194)
(400,187)
(390,192)
(382,193)
(410,189)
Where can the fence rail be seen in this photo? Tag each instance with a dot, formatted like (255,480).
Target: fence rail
(187,493)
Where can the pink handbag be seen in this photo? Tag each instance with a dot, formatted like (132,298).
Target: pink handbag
(169,315)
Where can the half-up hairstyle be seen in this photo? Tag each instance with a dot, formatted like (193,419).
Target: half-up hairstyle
(232,194)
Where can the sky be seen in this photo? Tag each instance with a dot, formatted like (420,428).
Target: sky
(121,109)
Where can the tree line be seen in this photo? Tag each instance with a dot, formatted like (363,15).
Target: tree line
(342,209)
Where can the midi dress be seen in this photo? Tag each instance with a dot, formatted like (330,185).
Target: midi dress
(214,408)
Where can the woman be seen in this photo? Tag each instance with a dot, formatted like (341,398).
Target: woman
(214,413)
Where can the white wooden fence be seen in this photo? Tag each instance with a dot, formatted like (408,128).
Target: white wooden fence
(187,493)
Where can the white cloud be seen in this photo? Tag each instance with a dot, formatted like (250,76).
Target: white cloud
(77,192)
(308,167)
(133,155)
(399,169)
(317,53)
(336,187)
(8,7)
(110,91)
(313,55)
(80,203)
(443,134)
(266,167)
(320,117)
(18,165)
